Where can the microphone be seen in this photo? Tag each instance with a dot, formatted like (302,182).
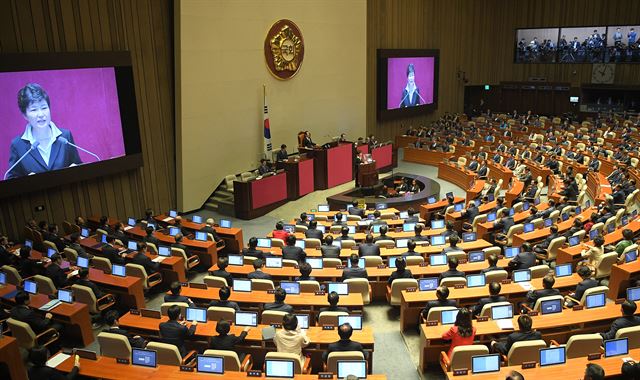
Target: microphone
(67,142)
(34,146)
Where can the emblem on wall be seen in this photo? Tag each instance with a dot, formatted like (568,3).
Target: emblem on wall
(284,49)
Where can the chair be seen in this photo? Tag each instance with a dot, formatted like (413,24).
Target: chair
(70,254)
(189,262)
(300,228)
(309,286)
(300,367)
(606,263)
(152,247)
(452,281)
(148,281)
(49,244)
(231,360)
(486,309)
(394,291)
(348,244)
(633,333)
(496,276)
(581,345)
(217,313)
(354,218)
(462,161)
(228,181)
(13,276)
(101,263)
(387,215)
(335,229)
(25,336)
(474,225)
(215,281)
(362,286)
(414,260)
(264,285)
(321,218)
(67,228)
(312,243)
(289,263)
(508,238)
(594,290)
(461,356)
(538,304)
(164,308)
(386,243)
(552,250)
(330,262)
(248,260)
(527,351)
(84,294)
(168,354)
(334,357)
(45,285)
(247,176)
(269,317)
(330,318)
(435,313)
(457,254)
(114,345)
(539,271)
(492,251)
(372,261)
(278,243)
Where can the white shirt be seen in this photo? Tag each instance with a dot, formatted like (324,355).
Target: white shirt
(45,147)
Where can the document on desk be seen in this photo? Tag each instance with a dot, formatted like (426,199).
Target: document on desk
(526,286)
(73,273)
(50,305)
(57,360)
(505,324)
(167,219)
(127,228)
(158,259)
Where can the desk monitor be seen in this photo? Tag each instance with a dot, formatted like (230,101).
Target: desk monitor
(321,228)
(574,240)
(201,236)
(323,208)
(512,212)
(315,262)
(593,233)
(448,317)
(491,197)
(402,243)
(631,256)
(577,210)
(616,347)
(273,262)
(633,294)
(403,215)
(173,231)
(65,295)
(279,368)
(510,252)
(438,260)
(311,217)
(595,300)
(224,223)
(485,363)
(587,204)
(103,239)
(303,321)
(290,287)
(392,261)
(548,222)
(553,355)
(565,216)
(51,252)
(376,228)
(476,256)
(431,200)
(29,243)
(624,220)
(502,312)
(458,207)
(437,240)
(211,364)
(145,358)
(264,243)
(354,320)
(352,229)
(196,314)
(528,227)
(164,251)
(196,219)
(337,243)
(118,270)
(563,270)
(339,287)
(361,263)
(427,284)
(173,213)
(290,228)
(491,217)
(469,236)
(523,275)
(241,285)
(246,318)
(449,195)
(525,206)
(132,245)
(476,280)
(381,206)
(408,227)
(84,232)
(3,278)
(237,260)
(551,306)
(437,224)
(300,244)
(82,262)
(371,216)
(30,286)
(357,368)
(536,201)
(611,228)
(131,222)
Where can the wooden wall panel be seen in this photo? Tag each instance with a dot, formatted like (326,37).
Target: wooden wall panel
(145,28)
(477,37)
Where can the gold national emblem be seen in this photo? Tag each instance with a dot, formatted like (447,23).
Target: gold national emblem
(284,49)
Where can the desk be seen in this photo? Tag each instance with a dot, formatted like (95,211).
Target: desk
(542,233)
(499,172)
(597,187)
(332,166)
(231,236)
(404,141)
(620,278)
(484,229)
(427,209)
(10,356)
(423,156)
(259,196)
(413,303)
(460,177)
(383,156)
(513,192)
(572,254)
(74,315)
(299,176)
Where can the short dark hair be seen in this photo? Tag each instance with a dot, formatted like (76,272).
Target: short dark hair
(345,331)
(223,262)
(525,322)
(598,241)
(223,327)
(368,238)
(594,372)
(31,93)
(289,322)
(175,288)
(627,234)
(280,294)
(628,308)
(333,298)
(453,240)
(344,230)
(83,273)
(111,317)
(584,271)
(514,375)
(21,297)
(313,224)
(74,237)
(303,216)
(258,263)
(554,228)
(353,259)
(442,292)
(224,293)
(25,252)
(279,226)
(384,229)
(329,239)
(173,312)
(493,259)
(453,262)
(149,230)
(253,242)
(494,288)
(305,269)
(291,239)
(401,263)
(411,245)
(417,229)
(548,281)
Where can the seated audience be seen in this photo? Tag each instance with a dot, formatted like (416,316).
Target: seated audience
(305,273)
(291,339)
(354,271)
(368,248)
(453,269)
(224,293)
(525,333)
(333,298)
(291,252)
(257,273)
(462,332)
(279,304)
(175,331)
(175,296)
(345,343)
(228,342)
(223,263)
(328,249)
(494,296)
(400,272)
(442,293)
(628,319)
(113,327)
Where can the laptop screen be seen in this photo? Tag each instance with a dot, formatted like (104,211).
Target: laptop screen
(356,368)
(224,223)
(173,213)
(65,295)
(173,231)
(131,222)
(196,314)
(449,195)
(201,236)
(354,320)
(551,306)
(458,207)
(528,227)
(408,227)
(300,244)
(437,240)
(611,227)
(315,262)
(624,220)
(631,256)
(438,260)
(337,243)
(84,232)
(246,318)
(521,275)
(595,300)
(475,280)
(593,233)
(145,358)
(290,287)
(574,240)
(30,287)
(491,217)
(241,285)
(321,228)
(164,251)
(196,219)
(339,287)
(525,206)
(615,347)
(563,270)
(392,261)
(476,256)
(323,208)
(485,363)
(431,200)
(510,252)
(491,197)
(132,245)
(290,228)
(3,278)
(436,224)
(51,252)
(236,260)
(512,212)
(82,262)
(402,243)
(502,312)
(273,262)
(468,236)
(633,294)
(303,321)
(279,368)
(118,270)
(352,229)
(381,206)
(553,355)
(264,243)
(429,283)
(449,316)
(587,204)
(211,364)
(376,228)
(361,263)
(577,210)
(403,215)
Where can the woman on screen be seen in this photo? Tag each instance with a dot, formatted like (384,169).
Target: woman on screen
(410,94)
(43,146)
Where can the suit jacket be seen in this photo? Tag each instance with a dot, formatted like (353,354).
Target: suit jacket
(220,303)
(487,300)
(57,240)
(330,251)
(451,273)
(290,252)
(583,286)
(367,249)
(282,156)
(81,252)
(61,157)
(396,275)
(48,373)
(504,224)
(89,284)
(253,252)
(518,336)
(151,239)
(112,254)
(141,259)
(211,231)
(471,214)
(356,211)
(313,234)
(134,342)
(383,237)
(173,332)
(333,308)
(122,237)
(57,275)
(348,273)
(178,298)
(523,260)
(482,172)
(533,295)
(227,342)
(437,303)
(489,269)
(224,274)
(29,316)
(343,345)
(620,323)
(278,306)
(259,275)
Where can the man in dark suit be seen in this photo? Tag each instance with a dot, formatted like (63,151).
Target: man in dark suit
(355,271)
(493,264)
(257,273)
(453,245)
(368,248)
(39,370)
(225,341)
(504,223)
(618,196)
(111,319)
(175,332)
(223,263)
(548,290)
(149,238)
(75,245)
(24,313)
(175,295)
(312,232)
(418,234)
(291,252)
(482,170)
(178,244)
(141,259)
(305,273)
(252,250)
(383,234)
(453,269)
(328,249)
(473,164)
(525,259)
(413,216)
(344,234)
(525,333)
(400,272)
(470,212)
(355,210)
(112,253)
(570,189)
(533,214)
(442,293)
(55,273)
(52,236)
(83,280)
(208,228)
(303,220)
(282,154)
(411,249)
(345,343)
(628,319)
(279,305)
(333,298)
(541,248)
(306,141)
(587,282)
(118,233)
(224,293)
(494,296)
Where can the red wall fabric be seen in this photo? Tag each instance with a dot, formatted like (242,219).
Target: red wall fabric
(363,149)
(339,164)
(305,177)
(268,190)
(382,156)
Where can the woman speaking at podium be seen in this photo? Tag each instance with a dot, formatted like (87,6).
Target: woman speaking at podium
(410,94)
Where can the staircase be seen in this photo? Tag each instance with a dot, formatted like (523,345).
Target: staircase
(221,201)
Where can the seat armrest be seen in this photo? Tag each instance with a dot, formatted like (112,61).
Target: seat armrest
(444,361)
(571,299)
(105,301)
(193,259)
(553,342)
(525,306)
(306,368)
(154,277)
(247,363)
(190,358)
(50,334)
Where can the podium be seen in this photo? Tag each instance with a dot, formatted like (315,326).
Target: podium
(367,174)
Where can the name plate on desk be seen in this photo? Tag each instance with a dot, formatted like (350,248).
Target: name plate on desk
(533,313)
(320,293)
(382,266)
(462,261)
(594,356)
(195,285)
(134,312)
(527,365)
(423,264)
(254,373)
(185,284)
(271,291)
(122,360)
(432,323)
(186,368)
(458,286)
(578,307)
(460,372)
(328,327)
(325,375)
(151,313)
(411,290)
(340,266)
(482,319)
(619,301)
(505,281)
(276,325)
